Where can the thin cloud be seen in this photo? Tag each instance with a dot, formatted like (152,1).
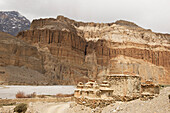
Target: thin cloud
(150,14)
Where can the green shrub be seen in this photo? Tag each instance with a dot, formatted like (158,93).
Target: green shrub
(21,108)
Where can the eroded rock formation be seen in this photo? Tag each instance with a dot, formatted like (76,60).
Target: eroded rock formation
(20,63)
(74,51)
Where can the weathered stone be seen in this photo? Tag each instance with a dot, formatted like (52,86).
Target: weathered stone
(18,53)
(67,51)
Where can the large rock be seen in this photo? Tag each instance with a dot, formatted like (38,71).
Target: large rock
(20,63)
(18,53)
(84,50)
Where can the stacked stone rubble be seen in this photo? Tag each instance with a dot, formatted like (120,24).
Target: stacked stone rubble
(117,87)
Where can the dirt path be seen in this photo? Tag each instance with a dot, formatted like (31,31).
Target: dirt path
(59,108)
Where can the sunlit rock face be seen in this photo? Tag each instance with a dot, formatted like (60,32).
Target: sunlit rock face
(20,62)
(76,51)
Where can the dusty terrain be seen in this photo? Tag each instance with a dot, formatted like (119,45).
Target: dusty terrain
(48,107)
(159,104)
(9,92)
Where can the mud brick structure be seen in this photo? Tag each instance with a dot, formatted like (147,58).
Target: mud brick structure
(116,87)
(125,87)
(149,90)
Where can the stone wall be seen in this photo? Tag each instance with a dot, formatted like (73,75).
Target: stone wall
(150,89)
(125,86)
(93,103)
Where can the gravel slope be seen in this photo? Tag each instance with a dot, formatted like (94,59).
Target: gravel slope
(159,104)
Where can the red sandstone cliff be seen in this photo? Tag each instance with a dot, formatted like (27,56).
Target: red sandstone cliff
(74,51)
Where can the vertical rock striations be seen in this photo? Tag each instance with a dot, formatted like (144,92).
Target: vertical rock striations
(75,51)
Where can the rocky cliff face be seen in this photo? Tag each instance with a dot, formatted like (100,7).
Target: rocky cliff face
(20,63)
(16,52)
(80,50)
(13,22)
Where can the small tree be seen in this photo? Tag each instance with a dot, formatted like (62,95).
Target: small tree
(21,108)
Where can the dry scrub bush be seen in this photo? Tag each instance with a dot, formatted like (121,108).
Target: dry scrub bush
(21,94)
(21,108)
(64,95)
(33,95)
(41,96)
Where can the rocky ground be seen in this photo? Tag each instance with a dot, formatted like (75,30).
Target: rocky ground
(40,107)
(45,107)
(159,104)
